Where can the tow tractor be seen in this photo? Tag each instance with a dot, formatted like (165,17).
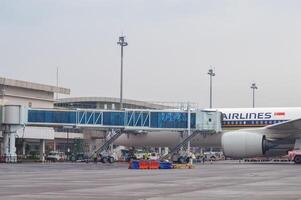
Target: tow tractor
(295,156)
(182,157)
(108,156)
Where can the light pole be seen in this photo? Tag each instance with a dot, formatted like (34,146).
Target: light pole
(57,82)
(254,87)
(211,74)
(122,44)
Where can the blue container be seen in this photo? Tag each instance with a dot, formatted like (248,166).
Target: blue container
(165,165)
(134,164)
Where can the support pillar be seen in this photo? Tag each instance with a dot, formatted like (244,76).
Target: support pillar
(1,148)
(1,144)
(54,145)
(24,148)
(297,144)
(92,145)
(160,151)
(42,150)
(6,146)
(202,151)
(12,147)
(188,127)
(166,150)
(9,144)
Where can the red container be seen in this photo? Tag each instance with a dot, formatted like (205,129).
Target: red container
(144,164)
(154,164)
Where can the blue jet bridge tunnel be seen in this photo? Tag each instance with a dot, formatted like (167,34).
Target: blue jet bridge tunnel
(13,117)
(128,119)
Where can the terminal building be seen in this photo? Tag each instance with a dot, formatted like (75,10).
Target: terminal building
(31,140)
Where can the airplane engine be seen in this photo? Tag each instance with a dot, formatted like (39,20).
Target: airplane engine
(239,144)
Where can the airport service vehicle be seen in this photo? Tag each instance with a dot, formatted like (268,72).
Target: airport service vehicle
(213,155)
(107,157)
(182,157)
(295,156)
(153,156)
(247,133)
(56,156)
(141,155)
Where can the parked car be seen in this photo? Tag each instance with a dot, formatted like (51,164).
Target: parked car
(56,156)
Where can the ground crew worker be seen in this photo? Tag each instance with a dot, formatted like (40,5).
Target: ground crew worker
(95,157)
(146,156)
(203,158)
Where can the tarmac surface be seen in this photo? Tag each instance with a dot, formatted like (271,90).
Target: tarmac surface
(220,180)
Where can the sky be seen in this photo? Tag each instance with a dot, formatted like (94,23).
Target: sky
(172,44)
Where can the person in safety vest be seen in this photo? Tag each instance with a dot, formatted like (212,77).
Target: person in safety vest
(146,156)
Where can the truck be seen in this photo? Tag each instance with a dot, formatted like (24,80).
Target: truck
(295,155)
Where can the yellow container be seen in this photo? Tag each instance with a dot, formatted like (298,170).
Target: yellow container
(182,166)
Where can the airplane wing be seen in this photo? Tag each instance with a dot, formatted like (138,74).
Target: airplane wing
(289,127)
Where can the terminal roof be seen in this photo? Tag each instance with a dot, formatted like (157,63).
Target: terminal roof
(113,100)
(33,86)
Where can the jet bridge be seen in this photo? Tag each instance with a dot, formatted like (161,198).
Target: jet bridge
(133,120)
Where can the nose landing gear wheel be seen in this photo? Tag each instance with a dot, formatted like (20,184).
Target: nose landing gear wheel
(181,160)
(104,160)
(297,159)
(110,159)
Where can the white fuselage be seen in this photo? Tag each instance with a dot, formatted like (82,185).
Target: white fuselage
(257,117)
(233,119)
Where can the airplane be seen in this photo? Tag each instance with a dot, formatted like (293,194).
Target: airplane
(251,132)
(247,132)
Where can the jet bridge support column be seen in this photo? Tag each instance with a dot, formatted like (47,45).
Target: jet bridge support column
(166,150)
(297,144)
(42,150)
(23,148)
(12,118)
(9,136)
(5,145)
(12,146)
(188,127)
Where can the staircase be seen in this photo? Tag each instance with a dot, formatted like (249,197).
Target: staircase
(106,144)
(181,144)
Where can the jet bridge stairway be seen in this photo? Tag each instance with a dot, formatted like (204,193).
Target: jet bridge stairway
(178,146)
(116,134)
(181,144)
